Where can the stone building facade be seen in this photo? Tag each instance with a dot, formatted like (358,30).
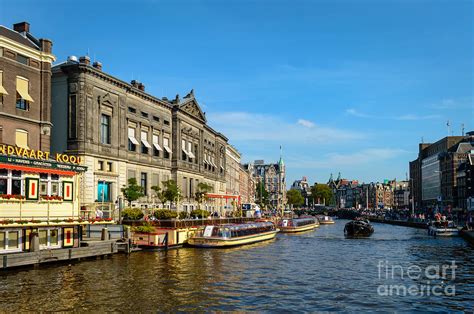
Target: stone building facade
(433,174)
(123,132)
(232,171)
(25,88)
(274,178)
(247,185)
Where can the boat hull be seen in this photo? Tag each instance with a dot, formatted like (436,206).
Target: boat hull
(358,229)
(298,229)
(328,222)
(443,232)
(209,242)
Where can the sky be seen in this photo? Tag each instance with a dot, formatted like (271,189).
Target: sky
(342,85)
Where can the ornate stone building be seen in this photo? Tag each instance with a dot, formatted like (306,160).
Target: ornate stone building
(274,178)
(25,88)
(247,185)
(123,132)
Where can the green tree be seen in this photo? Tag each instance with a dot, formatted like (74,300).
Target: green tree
(261,195)
(294,198)
(202,189)
(159,192)
(171,191)
(133,191)
(321,193)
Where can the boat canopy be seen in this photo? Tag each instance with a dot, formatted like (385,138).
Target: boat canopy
(236,230)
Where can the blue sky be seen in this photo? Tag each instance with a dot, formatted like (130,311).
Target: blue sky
(345,86)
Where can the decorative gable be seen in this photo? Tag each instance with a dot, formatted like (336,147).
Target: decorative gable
(192,108)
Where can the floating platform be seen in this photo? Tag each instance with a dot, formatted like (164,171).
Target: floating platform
(87,249)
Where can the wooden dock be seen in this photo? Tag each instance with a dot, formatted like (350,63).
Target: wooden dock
(88,249)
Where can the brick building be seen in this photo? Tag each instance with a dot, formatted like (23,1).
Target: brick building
(25,88)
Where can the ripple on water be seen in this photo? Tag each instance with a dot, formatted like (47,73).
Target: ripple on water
(319,270)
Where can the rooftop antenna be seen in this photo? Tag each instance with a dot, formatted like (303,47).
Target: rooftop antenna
(422,140)
(88,52)
(448,125)
(462,129)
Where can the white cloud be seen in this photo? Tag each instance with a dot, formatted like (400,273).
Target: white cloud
(356,113)
(335,160)
(405,117)
(251,127)
(415,117)
(306,123)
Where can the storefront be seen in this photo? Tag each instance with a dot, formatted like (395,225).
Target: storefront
(38,198)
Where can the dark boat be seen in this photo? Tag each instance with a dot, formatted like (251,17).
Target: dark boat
(358,228)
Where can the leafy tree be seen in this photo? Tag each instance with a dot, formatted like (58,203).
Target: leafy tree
(159,192)
(202,189)
(294,197)
(133,191)
(171,191)
(321,193)
(262,195)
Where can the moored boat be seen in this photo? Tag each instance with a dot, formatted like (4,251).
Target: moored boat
(298,224)
(358,228)
(443,229)
(325,220)
(233,234)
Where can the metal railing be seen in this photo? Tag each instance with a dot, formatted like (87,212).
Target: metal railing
(99,210)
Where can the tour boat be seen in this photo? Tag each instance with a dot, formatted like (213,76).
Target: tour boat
(298,224)
(325,220)
(443,229)
(358,228)
(233,234)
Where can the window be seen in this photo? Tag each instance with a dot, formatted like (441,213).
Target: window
(2,89)
(166,122)
(10,240)
(184,152)
(23,98)
(109,167)
(100,165)
(105,129)
(196,153)
(143,182)
(156,146)
(49,238)
(3,181)
(166,143)
(144,114)
(132,110)
(21,138)
(132,141)
(16,182)
(22,59)
(49,184)
(72,117)
(145,145)
(155,118)
(190,152)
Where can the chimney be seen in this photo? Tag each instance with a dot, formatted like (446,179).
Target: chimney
(21,27)
(141,87)
(46,45)
(97,65)
(135,83)
(85,60)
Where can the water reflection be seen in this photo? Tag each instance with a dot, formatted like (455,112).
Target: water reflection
(317,270)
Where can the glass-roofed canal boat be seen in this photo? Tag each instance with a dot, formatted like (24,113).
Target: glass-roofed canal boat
(298,224)
(233,234)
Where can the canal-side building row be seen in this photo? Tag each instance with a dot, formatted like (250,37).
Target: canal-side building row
(433,175)
(122,132)
(39,204)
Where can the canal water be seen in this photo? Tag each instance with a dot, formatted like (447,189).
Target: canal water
(313,271)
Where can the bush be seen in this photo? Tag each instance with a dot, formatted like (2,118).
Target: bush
(132,214)
(200,213)
(165,214)
(146,228)
(183,215)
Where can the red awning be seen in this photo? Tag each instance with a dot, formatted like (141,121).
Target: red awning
(225,196)
(37,170)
